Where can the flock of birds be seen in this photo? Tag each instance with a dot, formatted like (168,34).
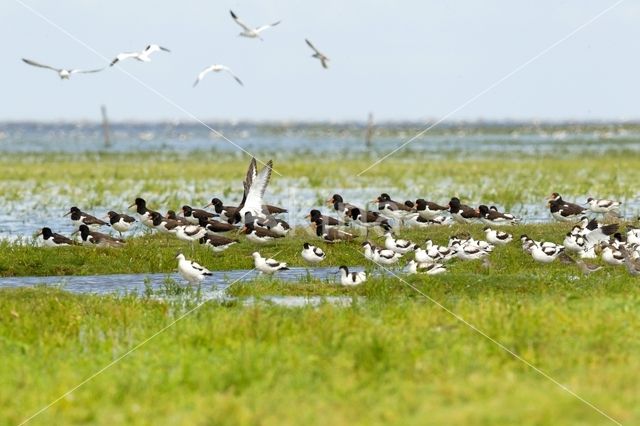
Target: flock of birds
(260,223)
(145,55)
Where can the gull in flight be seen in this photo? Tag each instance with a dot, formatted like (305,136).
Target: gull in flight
(248,31)
(216,68)
(143,56)
(63,73)
(321,56)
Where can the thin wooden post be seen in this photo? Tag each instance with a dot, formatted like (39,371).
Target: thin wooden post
(105,126)
(369,134)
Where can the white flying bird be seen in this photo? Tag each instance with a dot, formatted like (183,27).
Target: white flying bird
(248,31)
(321,56)
(143,56)
(216,68)
(63,73)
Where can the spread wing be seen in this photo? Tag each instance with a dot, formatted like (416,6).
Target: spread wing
(85,71)
(204,72)
(227,69)
(123,56)
(36,64)
(264,27)
(312,46)
(257,187)
(239,22)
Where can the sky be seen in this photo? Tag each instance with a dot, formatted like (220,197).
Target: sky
(400,60)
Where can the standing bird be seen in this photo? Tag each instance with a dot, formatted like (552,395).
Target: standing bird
(226,213)
(312,254)
(216,68)
(330,235)
(494,217)
(319,55)
(351,278)
(251,32)
(429,209)
(63,73)
(193,216)
(191,271)
(120,221)
(51,239)
(144,56)
(267,265)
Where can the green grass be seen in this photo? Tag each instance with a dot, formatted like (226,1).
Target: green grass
(393,356)
(379,361)
(156,253)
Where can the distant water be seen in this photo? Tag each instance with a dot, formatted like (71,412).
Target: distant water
(312,138)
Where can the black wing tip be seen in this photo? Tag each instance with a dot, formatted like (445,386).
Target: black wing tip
(233,15)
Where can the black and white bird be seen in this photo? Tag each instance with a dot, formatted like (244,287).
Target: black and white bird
(63,73)
(191,271)
(326,220)
(267,265)
(495,218)
(396,244)
(351,278)
(249,32)
(51,239)
(497,237)
(436,251)
(341,207)
(563,211)
(312,254)
(611,255)
(429,209)
(277,226)
(217,243)
(462,213)
(414,267)
(367,219)
(120,221)
(78,217)
(255,185)
(603,206)
(330,235)
(216,68)
(318,55)
(391,209)
(259,235)
(193,215)
(166,225)
(93,238)
(143,56)
(379,255)
(190,233)
(226,213)
(143,212)
(546,254)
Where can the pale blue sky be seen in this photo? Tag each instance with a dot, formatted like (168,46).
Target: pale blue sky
(403,60)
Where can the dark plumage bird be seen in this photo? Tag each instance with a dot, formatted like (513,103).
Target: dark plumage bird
(328,220)
(143,212)
(462,213)
(217,243)
(494,217)
(385,202)
(120,221)
(213,226)
(173,216)
(51,239)
(226,213)
(259,235)
(78,217)
(337,202)
(331,235)
(98,239)
(164,224)
(563,211)
(193,215)
(429,209)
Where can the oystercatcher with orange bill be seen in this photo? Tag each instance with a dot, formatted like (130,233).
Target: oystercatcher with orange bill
(429,209)
(496,218)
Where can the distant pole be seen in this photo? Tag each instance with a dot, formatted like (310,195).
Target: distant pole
(105,126)
(369,135)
